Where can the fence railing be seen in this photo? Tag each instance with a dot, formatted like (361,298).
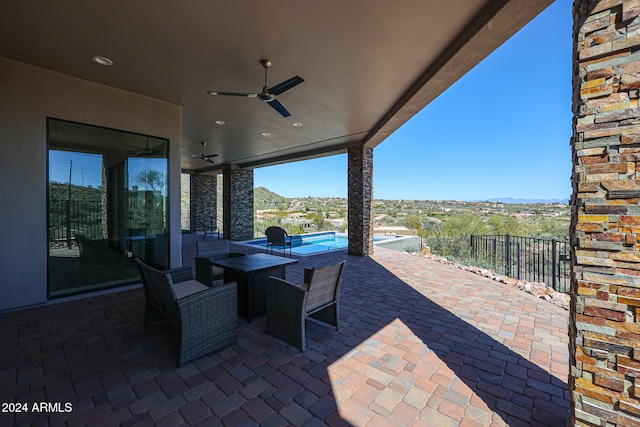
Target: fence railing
(70,217)
(526,258)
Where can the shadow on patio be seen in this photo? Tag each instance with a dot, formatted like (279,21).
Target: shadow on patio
(421,344)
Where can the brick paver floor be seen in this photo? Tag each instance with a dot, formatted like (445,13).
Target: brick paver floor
(421,344)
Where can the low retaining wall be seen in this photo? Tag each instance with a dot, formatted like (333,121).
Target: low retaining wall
(401,243)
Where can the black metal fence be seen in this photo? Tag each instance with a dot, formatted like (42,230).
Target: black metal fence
(70,217)
(526,258)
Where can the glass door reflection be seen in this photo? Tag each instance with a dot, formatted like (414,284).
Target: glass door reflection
(107,204)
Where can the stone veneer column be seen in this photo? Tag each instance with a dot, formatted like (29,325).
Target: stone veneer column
(237,189)
(604,328)
(360,218)
(203,200)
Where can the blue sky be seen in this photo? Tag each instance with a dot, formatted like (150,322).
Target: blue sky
(86,169)
(501,131)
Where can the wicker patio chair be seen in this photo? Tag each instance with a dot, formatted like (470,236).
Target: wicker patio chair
(288,304)
(207,318)
(277,236)
(211,251)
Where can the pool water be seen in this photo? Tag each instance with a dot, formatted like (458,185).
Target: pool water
(308,244)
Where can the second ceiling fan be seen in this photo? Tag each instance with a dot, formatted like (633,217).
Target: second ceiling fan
(268,94)
(204,156)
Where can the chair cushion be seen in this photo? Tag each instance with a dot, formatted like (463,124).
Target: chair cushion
(188,287)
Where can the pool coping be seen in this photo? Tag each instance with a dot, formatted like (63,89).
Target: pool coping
(247,244)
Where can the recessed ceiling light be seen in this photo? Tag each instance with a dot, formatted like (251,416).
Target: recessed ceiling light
(297,124)
(219,122)
(266,134)
(103,61)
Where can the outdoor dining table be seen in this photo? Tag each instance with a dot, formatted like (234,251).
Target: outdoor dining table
(252,273)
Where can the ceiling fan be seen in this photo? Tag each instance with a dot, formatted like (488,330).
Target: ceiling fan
(268,94)
(204,156)
(147,151)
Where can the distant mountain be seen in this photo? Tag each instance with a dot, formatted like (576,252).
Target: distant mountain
(266,199)
(60,191)
(511,200)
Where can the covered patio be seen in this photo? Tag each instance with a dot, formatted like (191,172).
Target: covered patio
(151,71)
(467,351)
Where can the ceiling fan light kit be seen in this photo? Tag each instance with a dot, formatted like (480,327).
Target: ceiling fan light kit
(268,94)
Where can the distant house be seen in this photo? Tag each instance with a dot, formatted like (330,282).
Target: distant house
(304,223)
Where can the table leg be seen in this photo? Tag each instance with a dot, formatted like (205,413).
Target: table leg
(250,286)
(252,289)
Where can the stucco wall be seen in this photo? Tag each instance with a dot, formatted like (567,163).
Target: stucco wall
(28,95)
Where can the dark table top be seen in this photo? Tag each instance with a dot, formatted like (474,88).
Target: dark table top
(254,262)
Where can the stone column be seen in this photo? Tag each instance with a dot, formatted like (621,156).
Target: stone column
(604,329)
(360,195)
(203,200)
(237,189)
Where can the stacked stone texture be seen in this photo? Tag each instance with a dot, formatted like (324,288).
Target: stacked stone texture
(360,201)
(185,215)
(238,204)
(605,309)
(203,200)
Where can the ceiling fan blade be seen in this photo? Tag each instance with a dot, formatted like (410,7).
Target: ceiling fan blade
(247,95)
(147,152)
(203,156)
(286,85)
(275,104)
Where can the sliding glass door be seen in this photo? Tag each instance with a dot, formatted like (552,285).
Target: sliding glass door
(107,204)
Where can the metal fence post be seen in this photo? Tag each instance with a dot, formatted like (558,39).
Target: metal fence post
(507,255)
(494,255)
(554,264)
(518,260)
(68,222)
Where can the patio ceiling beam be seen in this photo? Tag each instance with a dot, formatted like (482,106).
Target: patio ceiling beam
(286,158)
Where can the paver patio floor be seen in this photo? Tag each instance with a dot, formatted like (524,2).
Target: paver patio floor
(421,343)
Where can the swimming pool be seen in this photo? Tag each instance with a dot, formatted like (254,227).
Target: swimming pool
(313,243)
